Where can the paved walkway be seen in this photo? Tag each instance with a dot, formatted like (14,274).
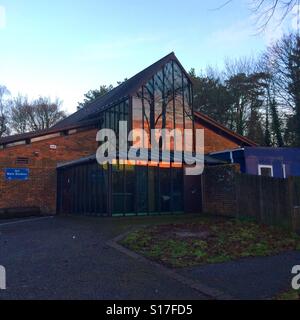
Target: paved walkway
(68,258)
(251,278)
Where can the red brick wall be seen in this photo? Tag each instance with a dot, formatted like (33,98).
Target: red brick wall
(40,189)
(219,190)
(215,142)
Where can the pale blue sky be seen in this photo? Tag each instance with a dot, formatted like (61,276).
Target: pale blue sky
(64,48)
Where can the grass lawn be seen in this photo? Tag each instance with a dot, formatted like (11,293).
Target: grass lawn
(289,295)
(209,240)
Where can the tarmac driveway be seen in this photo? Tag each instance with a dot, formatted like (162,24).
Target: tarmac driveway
(68,258)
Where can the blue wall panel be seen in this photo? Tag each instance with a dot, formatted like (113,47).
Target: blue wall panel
(251,157)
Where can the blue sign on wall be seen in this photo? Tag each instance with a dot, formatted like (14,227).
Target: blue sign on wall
(16,174)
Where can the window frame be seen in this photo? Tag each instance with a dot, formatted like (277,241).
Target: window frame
(284,171)
(265,166)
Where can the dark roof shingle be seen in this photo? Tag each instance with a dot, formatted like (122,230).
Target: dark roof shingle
(45,132)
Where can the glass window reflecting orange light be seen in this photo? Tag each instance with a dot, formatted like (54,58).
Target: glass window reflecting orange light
(164,102)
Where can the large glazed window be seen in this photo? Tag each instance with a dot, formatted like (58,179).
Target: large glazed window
(109,119)
(146,190)
(164,102)
(83,190)
(121,189)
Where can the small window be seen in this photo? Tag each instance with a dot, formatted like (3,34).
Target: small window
(22,161)
(264,170)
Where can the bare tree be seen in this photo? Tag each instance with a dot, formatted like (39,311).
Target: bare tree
(265,10)
(47,113)
(19,114)
(39,114)
(4,106)
(245,65)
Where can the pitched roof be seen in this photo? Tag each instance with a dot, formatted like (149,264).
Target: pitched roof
(220,129)
(45,132)
(86,116)
(124,90)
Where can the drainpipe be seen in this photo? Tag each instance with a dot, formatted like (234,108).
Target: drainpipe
(231,157)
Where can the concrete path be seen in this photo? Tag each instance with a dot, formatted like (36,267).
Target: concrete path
(251,278)
(68,258)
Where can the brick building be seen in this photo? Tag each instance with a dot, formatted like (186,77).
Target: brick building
(60,160)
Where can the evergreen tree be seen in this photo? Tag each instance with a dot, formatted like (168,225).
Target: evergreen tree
(276,123)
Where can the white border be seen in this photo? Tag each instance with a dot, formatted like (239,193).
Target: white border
(261,166)
(284,170)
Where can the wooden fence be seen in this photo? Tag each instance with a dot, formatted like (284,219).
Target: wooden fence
(267,200)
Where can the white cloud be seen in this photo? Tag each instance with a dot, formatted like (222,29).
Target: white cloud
(272,33)
(2,17)
(243,31)
(234,34)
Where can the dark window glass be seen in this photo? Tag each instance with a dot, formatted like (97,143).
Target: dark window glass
(129,189)
(112,118)
(177,182)
(117,189)
(93,193)
(85,190)
(104,188)
(165,190)
(107,119)
(126,116)
(122,112)
(88,195)
(141,189)
(265,171)
(101,123)
(153,190)
(99,189)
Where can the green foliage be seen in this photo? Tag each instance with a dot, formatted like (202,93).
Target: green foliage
(219,241)
(259,99)
(92,95)
(276,123)
(212,98)
(290,295)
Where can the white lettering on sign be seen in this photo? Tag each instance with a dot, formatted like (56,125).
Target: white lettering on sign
(296,279)
(2,278)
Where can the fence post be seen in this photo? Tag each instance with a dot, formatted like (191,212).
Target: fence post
(291,201)
(203,198)
(261,202)
(237,185)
